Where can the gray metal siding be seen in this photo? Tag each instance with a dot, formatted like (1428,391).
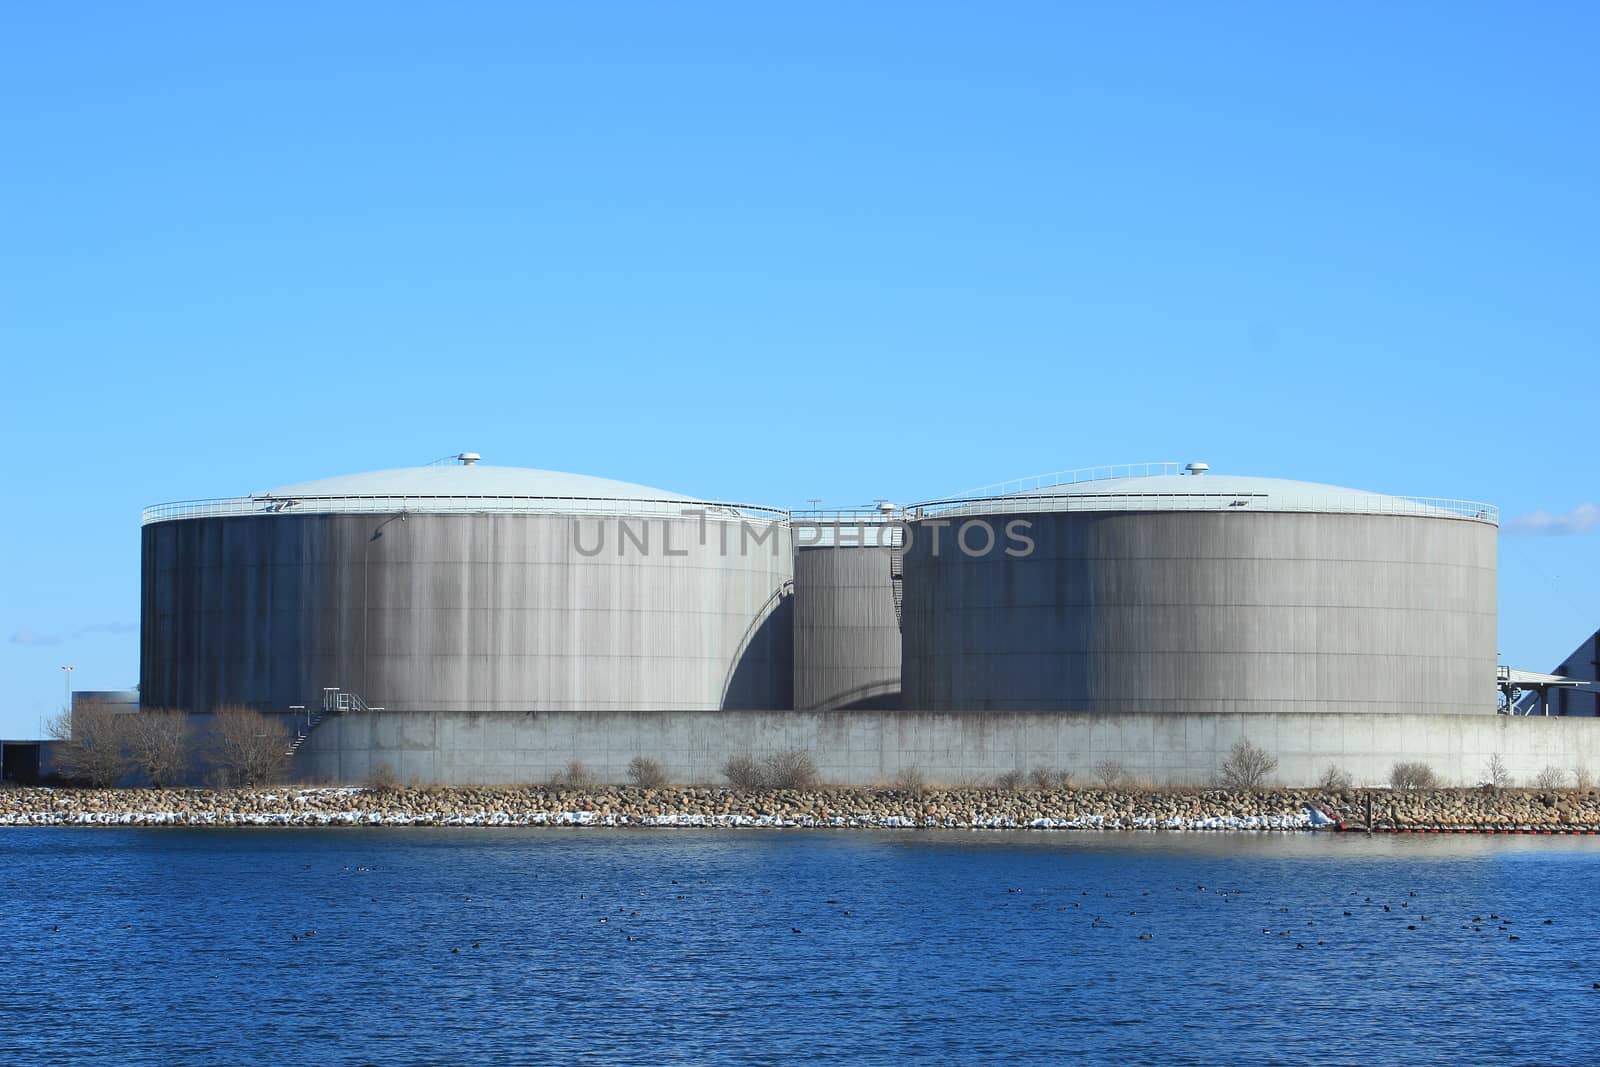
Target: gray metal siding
(462,611)
(1180,612)
(846,635)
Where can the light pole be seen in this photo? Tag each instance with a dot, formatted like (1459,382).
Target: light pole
(67,679)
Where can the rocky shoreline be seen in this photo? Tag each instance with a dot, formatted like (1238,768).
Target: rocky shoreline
(1478,810)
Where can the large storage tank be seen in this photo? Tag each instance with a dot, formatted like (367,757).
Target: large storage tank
(1185,593)
(467,587)
(846,610)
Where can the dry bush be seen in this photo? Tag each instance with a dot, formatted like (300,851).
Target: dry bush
(909,780)
(1247,766)
(1010,781)
(252,748)
(382,778)
(1413,776)
(742,771)
(646,773)
(1581,778)
(1335,779)
(91,743)
(574,776)
(159,743)
(1110,773)
(794,769)
(1495,773)
(1050,778)
(1550,778)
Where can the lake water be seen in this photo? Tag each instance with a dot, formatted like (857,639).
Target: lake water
(530,946)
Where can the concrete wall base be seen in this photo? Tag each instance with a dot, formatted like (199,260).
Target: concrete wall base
(862,748)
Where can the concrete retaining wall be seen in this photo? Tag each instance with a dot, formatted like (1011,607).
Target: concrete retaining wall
(868,747)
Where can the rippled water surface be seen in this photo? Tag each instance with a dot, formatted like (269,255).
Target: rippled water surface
(498,946)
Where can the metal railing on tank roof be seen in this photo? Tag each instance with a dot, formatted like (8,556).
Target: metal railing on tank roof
(1340,503)
(1073,477)
(469,505)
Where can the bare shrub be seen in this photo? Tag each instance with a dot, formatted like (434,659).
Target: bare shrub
(742,771)
(159,742)
(1550,778)
(1335,779)
(1110,773)
(1413,776)
(794,769)
(646,773)
(1495,773)
(1010,781)
(575,776)
(1581,778)
(91,743)
(1247,766)
(909,780)
(381,778)
(1050,778)
(251,747)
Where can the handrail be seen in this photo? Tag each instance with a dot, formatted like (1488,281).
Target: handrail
(1074,476)
(224,507)
(1200,500)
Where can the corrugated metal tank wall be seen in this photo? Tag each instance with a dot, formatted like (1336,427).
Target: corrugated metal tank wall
(1201,611)
(846,631)
(466,611)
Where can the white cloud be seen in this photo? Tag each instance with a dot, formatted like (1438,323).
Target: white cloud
(28,637)
(1581,519)
(107,628)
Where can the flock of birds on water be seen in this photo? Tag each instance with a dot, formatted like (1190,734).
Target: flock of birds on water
(1105,919)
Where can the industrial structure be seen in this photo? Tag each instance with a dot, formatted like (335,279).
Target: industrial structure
(461,586)
(498,622)
(1154,590)
(466,587)
(847,609)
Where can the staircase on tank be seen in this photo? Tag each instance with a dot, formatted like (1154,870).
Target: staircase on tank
(335,701)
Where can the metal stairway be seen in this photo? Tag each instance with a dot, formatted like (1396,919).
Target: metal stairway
(335,701)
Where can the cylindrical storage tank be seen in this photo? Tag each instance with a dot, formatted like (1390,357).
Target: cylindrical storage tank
(846,614)
(1172,593)
(467,587)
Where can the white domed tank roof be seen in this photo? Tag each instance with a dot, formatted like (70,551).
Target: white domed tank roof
(1159,487)
(465,487)
(471,480)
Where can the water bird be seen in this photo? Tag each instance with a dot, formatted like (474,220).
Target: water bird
(1348,914)
(604,919)
(1549,922)
(846,914)
(475,944)
(455,950)
(1513,937)
(794,929)
(1146,937)
(1411,926)
(1300,944)
(1386,907)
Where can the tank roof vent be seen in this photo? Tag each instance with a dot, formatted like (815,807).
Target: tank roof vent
(468,458)
(1197,469)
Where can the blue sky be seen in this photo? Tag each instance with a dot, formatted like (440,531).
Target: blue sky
(836,251)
